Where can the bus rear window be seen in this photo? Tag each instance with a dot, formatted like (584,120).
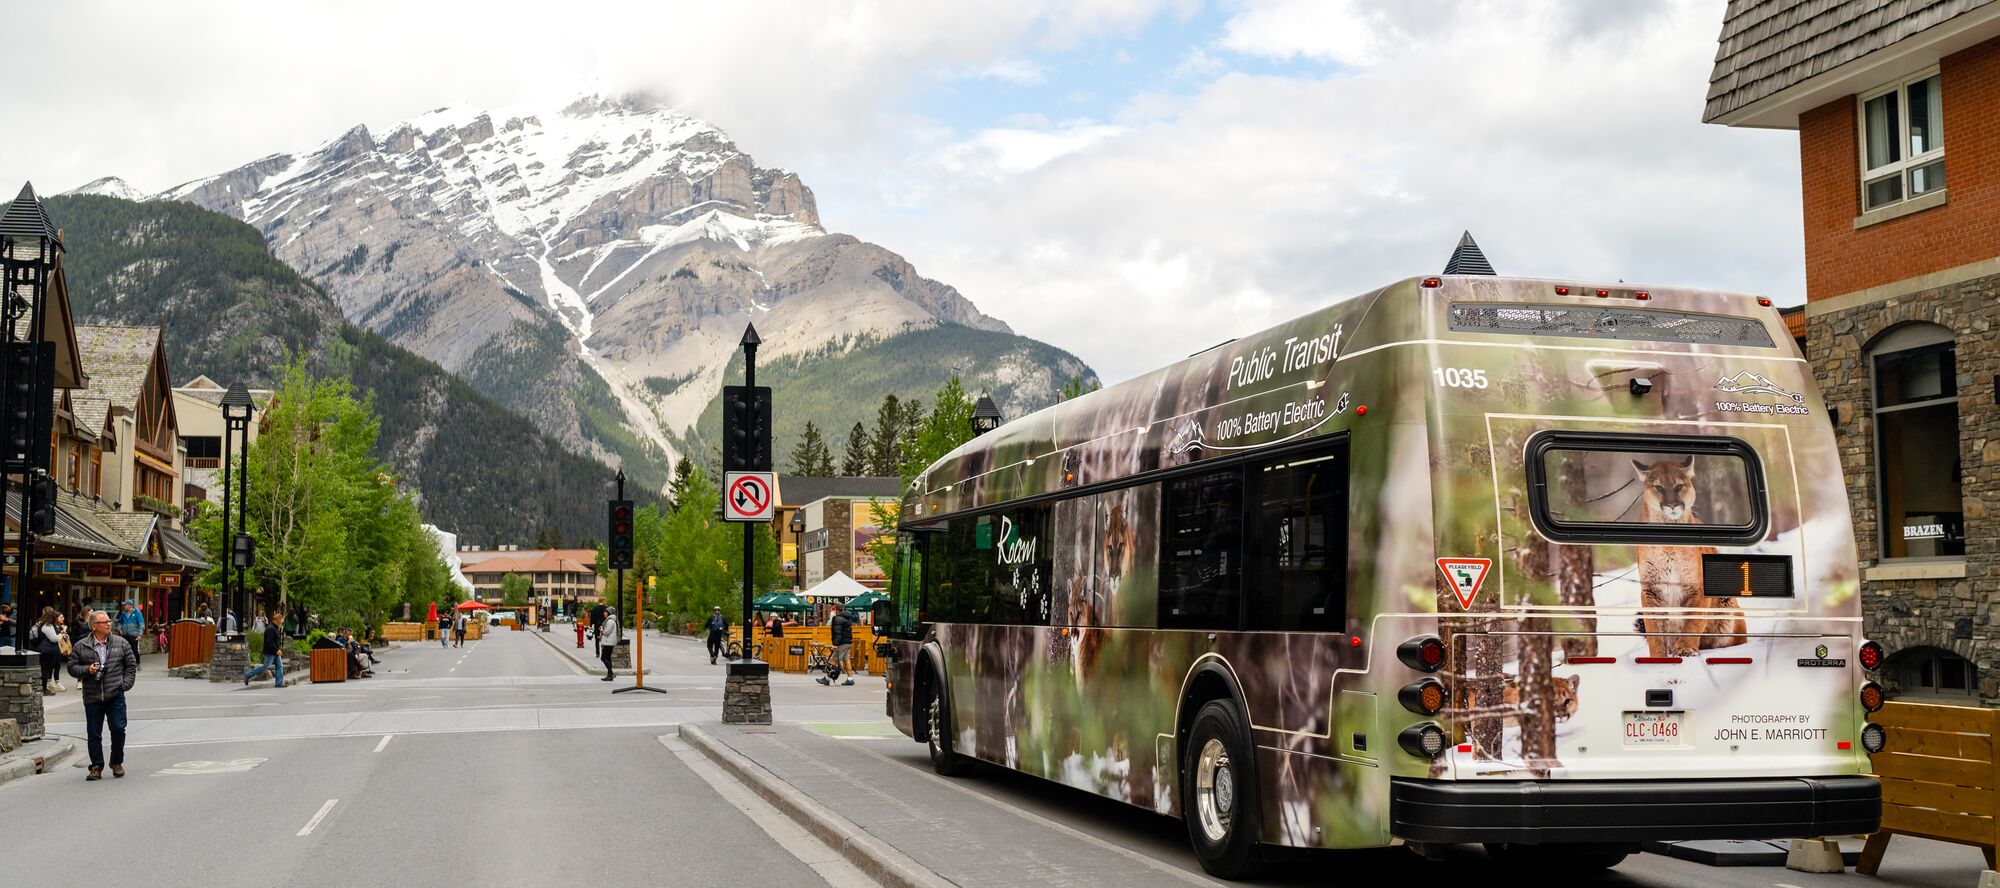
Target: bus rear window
(1645,488)
(1607,322)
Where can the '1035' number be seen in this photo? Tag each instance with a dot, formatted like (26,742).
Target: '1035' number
(1455,377)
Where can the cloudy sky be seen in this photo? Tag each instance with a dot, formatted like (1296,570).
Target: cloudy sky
(1133,180)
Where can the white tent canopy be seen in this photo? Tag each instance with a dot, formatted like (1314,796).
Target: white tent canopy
(840,585)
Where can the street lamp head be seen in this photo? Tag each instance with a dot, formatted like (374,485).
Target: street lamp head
(236,403)
(985,416)
(26,231)
(750,337)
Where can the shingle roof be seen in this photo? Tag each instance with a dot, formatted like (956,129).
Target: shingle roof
(1767,46)
(797,490)
(532,562)
(116,358)
(79,525)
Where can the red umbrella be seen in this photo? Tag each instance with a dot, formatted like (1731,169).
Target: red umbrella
(474,606)
(434,613)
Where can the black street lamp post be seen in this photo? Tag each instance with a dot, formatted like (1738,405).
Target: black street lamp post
(236,409)
(28,248)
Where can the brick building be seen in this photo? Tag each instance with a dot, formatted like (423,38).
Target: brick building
(1897,107)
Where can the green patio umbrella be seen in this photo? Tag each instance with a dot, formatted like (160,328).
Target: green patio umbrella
(866,600)
(781,601)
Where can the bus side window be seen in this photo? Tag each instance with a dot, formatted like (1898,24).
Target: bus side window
(1201,551)
(906,584)
(1298,543)
(955,572)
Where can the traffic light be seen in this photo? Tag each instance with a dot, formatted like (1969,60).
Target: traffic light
(31,368)
(746,428)
(620,547)
(42,518)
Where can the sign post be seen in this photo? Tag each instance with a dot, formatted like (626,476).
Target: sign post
(748,495)
(639,645)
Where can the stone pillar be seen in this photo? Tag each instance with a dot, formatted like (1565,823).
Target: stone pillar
(746,693)
(232,660)
(621,657)
(21,698)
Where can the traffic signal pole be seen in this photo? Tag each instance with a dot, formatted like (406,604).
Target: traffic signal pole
(750,341)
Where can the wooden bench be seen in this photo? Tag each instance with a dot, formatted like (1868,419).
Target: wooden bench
(1939,777)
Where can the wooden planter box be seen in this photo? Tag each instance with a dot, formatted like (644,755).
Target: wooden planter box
(190,641)
(329,664)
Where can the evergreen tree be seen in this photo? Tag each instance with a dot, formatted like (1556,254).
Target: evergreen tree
(547,538)
(1075,388)
(684,479)
(811,458)
(855,462)
(911,421)
(885,451)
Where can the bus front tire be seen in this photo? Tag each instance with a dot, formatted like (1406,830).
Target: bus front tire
(1558,858)
(1219,792)
(943,760)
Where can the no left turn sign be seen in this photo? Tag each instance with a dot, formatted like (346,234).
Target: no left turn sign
(748,496)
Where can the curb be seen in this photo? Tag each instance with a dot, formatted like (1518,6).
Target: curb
(578,667)
(871,855)
(28,767)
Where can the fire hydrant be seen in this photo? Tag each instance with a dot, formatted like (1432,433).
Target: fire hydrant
(579,633)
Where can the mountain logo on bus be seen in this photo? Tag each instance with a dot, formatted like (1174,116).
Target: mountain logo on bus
(1465,575)
(1748,383)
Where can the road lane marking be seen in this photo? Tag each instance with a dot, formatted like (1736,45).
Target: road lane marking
(231,766)
(311,824)
(385,742)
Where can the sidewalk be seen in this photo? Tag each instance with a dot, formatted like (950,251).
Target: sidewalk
(36,757)
(914,829)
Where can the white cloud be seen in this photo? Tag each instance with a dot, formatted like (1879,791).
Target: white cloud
(1567,140)
(1020,71)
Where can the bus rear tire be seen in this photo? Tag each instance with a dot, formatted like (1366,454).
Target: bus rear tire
(944,760)
(1219,800)
(1575,859)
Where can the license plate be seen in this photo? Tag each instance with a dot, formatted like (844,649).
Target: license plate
(1655,728)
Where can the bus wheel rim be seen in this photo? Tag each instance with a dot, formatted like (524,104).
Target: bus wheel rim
(937,702)
(1214,790)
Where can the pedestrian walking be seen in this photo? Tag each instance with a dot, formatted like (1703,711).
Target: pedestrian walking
(51,640)
(131,624)
(229,621)
(274,655)
(717,625)
(444,631)
(608,636)
(458,630)
(203,615)
(840,630)
(107,667)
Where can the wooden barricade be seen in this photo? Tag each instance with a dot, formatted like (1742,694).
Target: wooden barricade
(402,631)
(1939,776)
(329,664)
(190,641)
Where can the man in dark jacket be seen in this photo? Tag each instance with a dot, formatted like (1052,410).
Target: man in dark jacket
(274,654)
(105,664)
(840,631)
(717,626)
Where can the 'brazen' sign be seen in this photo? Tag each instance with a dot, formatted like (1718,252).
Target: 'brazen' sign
(748,496)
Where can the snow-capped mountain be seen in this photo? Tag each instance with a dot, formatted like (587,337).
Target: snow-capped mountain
(109,186)
(531,250)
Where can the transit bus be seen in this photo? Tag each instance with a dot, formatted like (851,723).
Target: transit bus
(1550,566)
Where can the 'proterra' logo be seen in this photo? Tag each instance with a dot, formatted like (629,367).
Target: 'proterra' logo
(1819,659)
(1820,652)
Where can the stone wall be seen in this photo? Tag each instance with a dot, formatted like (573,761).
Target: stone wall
(232,659)
(21,699)
(1961,615)
(746,694)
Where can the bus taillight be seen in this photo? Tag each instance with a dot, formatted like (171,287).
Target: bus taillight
(1871,655)
(1423,696)
(1427,740)
(1873,738)
(1424,652)
(1871,696)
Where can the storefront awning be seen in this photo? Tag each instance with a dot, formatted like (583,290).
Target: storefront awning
(181,550)
(77,527)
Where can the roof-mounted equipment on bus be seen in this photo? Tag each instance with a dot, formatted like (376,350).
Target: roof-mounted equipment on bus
(1425,696)
(1871,655)
(1423,741)
(1432,283)
(1425,653)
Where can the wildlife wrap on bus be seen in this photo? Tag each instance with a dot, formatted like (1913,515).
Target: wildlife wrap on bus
(1066,667)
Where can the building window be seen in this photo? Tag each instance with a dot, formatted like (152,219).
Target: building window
(1929,670)
(203,451)
(1902,141)
(1918,470)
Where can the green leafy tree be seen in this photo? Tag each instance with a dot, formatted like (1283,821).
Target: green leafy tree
(514,590)
(948,425)
(810,457)
(855,461)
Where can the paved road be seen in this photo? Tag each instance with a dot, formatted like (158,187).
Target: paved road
(493,764)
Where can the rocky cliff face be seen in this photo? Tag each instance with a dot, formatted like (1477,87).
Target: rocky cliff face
(646,237)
